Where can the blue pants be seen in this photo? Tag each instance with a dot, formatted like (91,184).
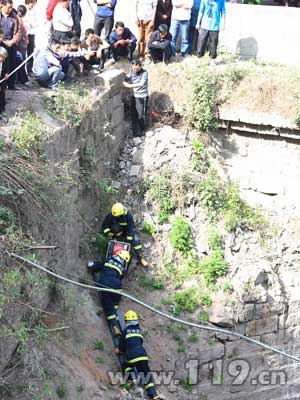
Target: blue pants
(51,77)
(183,27)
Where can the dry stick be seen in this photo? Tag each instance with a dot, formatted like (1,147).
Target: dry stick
(40,248)
(61,328)
(10,176)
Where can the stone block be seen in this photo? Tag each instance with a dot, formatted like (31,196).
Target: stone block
(135,170)
(262,326)
(247,313)
(117,116)
(110,78)
(221,315)
(211,353)
(117,101)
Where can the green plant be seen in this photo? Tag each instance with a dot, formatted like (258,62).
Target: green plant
(61,390)
(214,239)
(148,228)
(205,300)
(107,193)
(213,266)
(101,243)
(99,360)
(184,301)
(98,345)
(7,220)
(200,162)
(238,214)
(69,105)
(211,194)
(193,338)
(2,143)
(161,192)
(185,383)
(228,287)
(153,283)
(203,316)
(296,114)
(201,110)
(180,235)
(26,132)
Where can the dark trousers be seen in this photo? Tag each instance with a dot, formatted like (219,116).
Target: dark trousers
(12,63)
(121,51)
(208,36)
(99,61)
(138,115)
(2,97)
(103,22)
(30,49)
(110,303)
(158,55)
(61,36)
(144,376)
(21,73)
(193,39)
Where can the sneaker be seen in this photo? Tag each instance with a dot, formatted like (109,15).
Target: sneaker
(144,263)
(116,330)
(28,84)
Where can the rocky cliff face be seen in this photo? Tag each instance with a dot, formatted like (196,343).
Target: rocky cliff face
(258,298)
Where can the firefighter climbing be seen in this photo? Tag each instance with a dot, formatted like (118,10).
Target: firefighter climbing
(137,360)
(111,274)
(119,224)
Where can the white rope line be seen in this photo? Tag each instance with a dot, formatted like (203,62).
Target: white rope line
(163,314)
(16,69)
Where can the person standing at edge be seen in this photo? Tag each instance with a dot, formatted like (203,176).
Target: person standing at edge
(104,17)
(180,21)
(137,79)
(208,24)
(163,13)
(145,16)
(193,34)
(62,21)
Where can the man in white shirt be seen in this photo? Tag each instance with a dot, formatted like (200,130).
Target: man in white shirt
(62,21)
(145,16)
(181,15)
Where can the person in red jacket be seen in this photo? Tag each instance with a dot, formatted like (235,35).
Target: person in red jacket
(50,8)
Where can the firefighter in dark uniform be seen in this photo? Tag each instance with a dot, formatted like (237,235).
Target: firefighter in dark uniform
(131,345)
(112,272)
(119,224)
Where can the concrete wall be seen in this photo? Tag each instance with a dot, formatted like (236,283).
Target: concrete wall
(268,33)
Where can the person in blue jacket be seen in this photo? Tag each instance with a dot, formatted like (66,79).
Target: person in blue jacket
(131,345)
(104,17)
(209,21)
(122,42)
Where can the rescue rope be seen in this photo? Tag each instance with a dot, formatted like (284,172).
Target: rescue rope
(149,307)
(16,69)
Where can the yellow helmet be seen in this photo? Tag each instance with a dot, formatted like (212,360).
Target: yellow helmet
(118,209)
(131,316)
(125,255)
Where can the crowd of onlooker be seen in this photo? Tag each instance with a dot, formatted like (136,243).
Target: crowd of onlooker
(69,52)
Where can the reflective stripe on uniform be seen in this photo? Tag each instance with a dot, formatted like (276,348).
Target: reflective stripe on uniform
(119,233)
(123,223)
(116,307)
(129,237)
(149,386)
(128,369)
(138,247)
(113,267)
(106,230)
(109,317)
(130,335)
(134,360)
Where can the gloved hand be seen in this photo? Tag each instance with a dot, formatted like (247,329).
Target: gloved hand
(110,234)
(117,351)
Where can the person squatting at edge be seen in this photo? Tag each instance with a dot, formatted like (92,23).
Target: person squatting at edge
(131,344)
(112,272)
(119,224)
